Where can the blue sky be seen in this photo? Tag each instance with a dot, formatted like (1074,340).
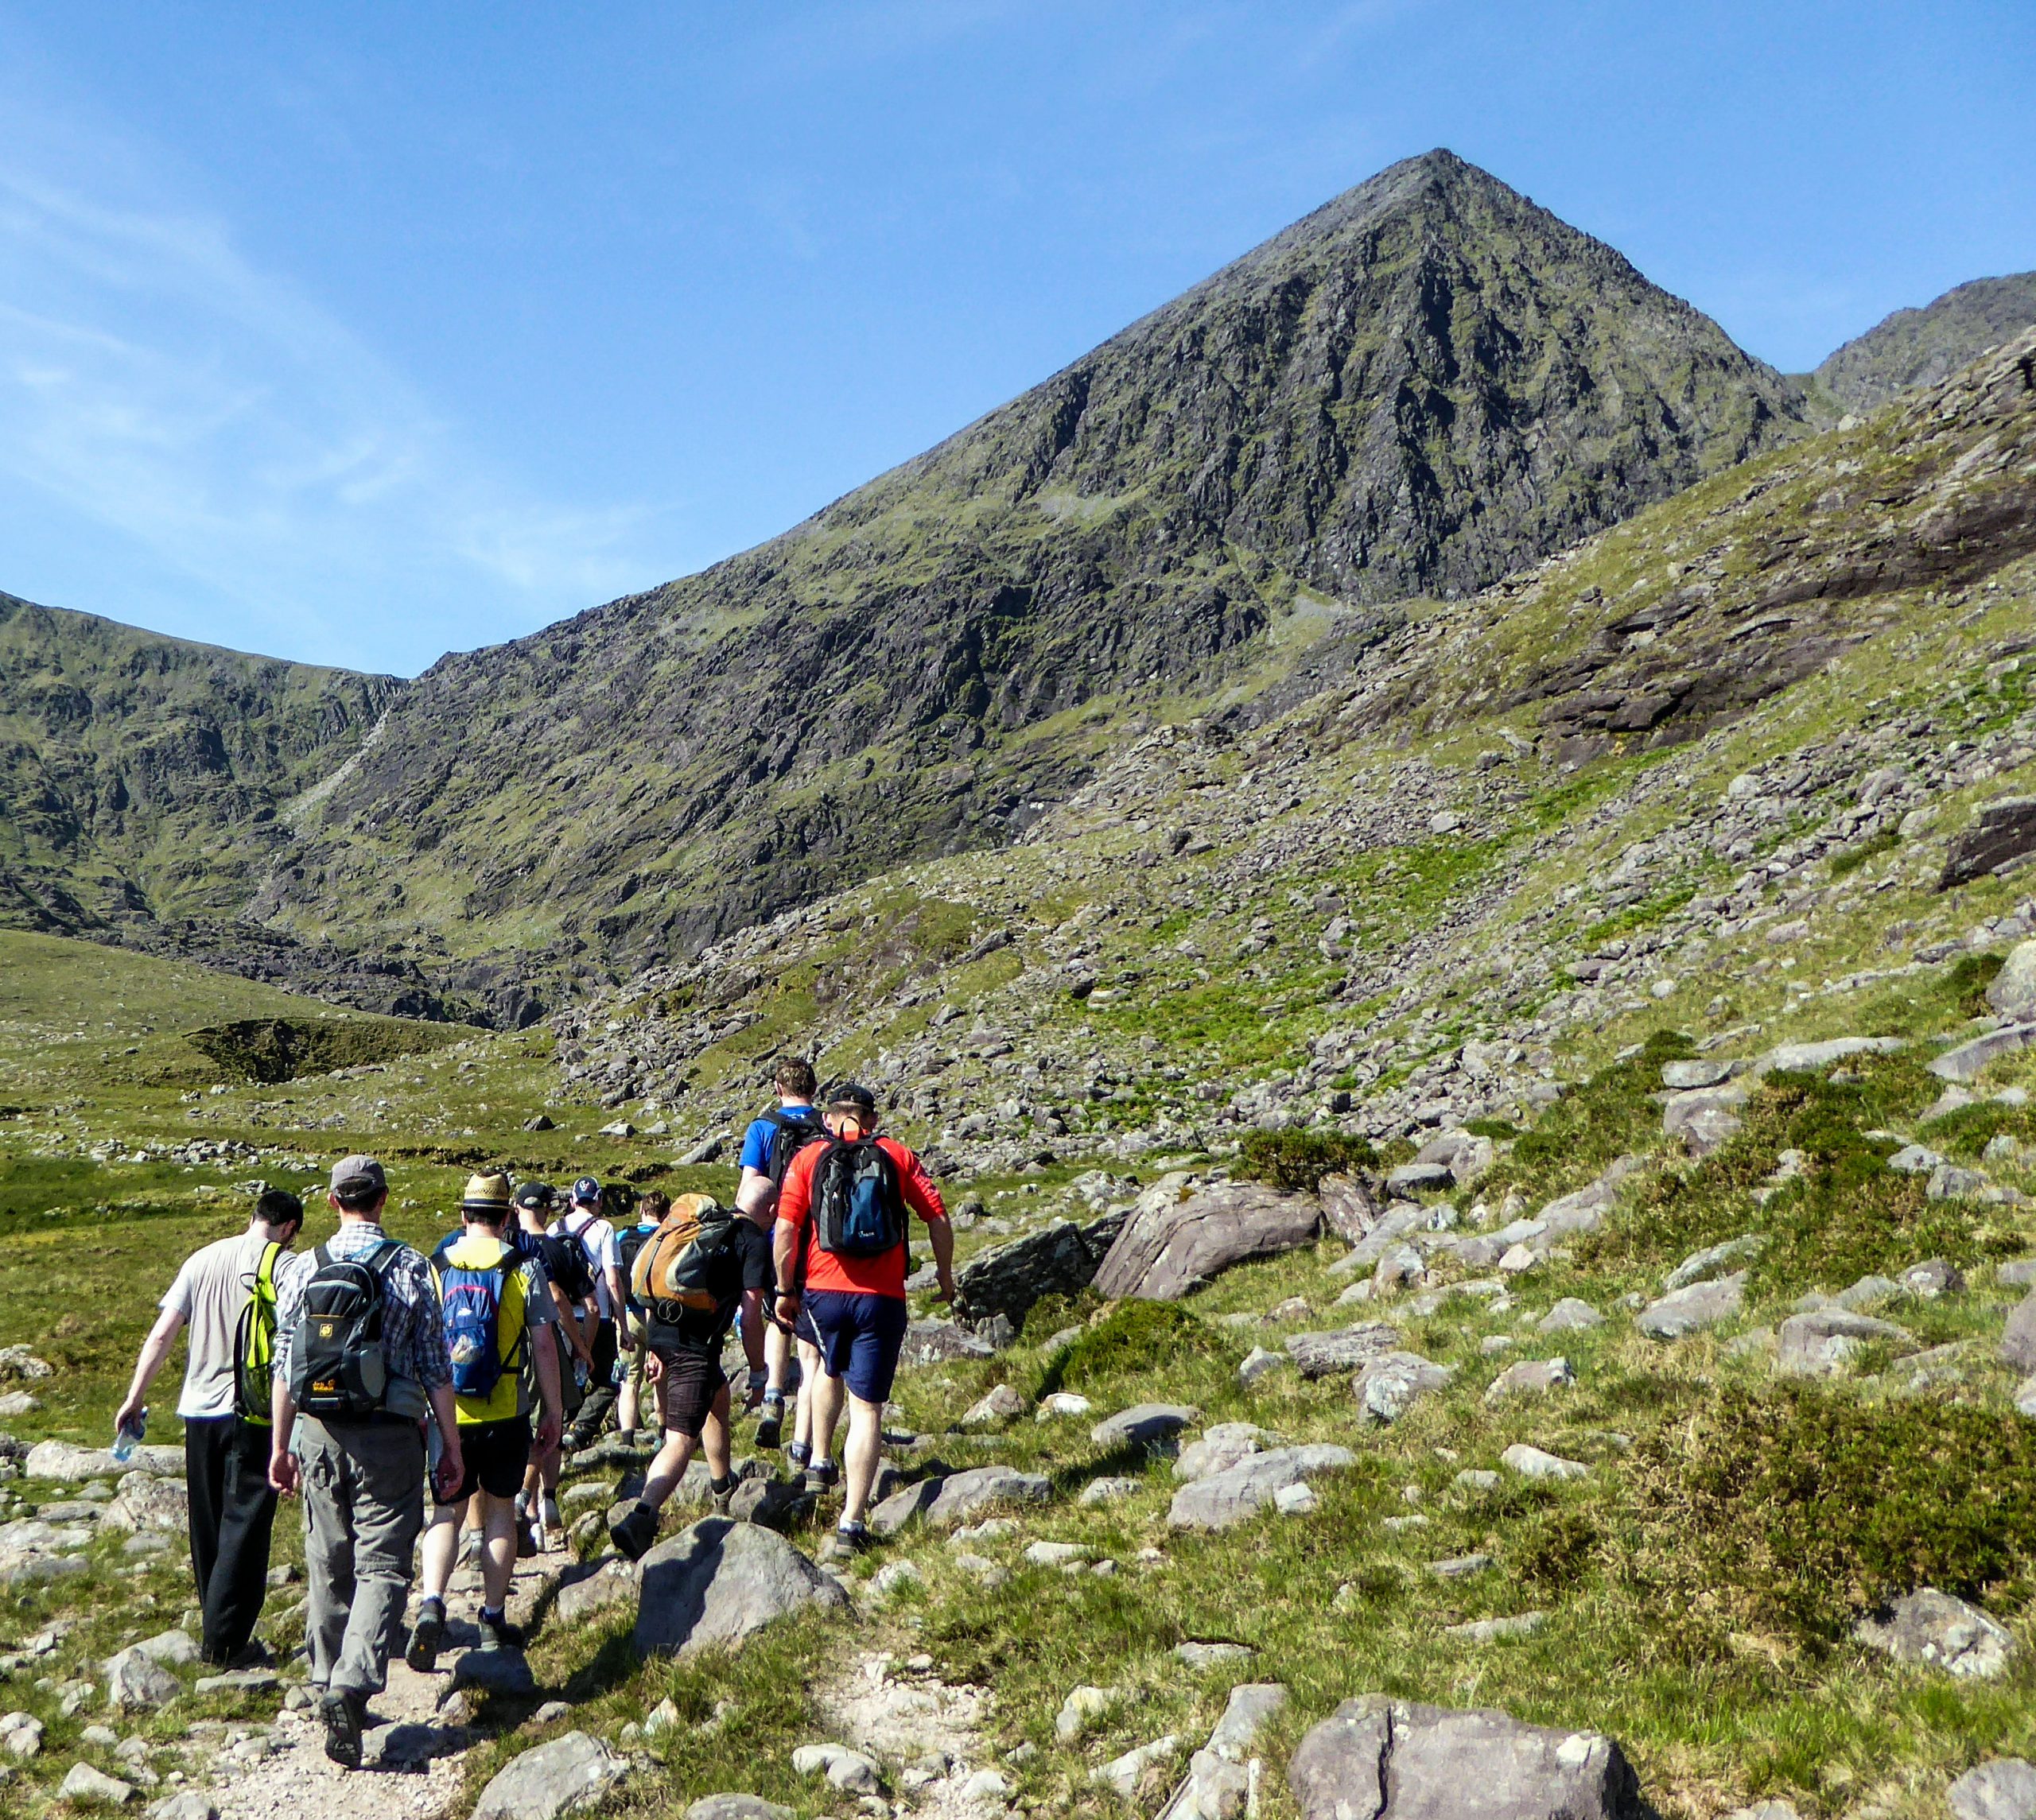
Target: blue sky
(359,333)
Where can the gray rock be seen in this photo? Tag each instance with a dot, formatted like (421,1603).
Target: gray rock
(1391,1228)
(1459,1566)
(594,1587)
(1200,1655)
(173,1649)
(1713,1261)
(564,1773)
(1869,1292)
(2019,1338)
(719,1581)
(1109,1490)
(1949,1182)
(1420,1178)
(1257,1362)
(940,1343)
(898,1509)
(981,1488)
(1231,1496)
(1704,1118)
(1940,1632)
(136,1683)
(2000,831)
(1171,1246)
(1531,1377)
(89,1787)
(1915,1159)
(240,1681)
(1061,1259)
(1125,1774)
(853,1771)
(776,1503)
(1819,1345)
(1969,1060)
(61,1460)
(736,1807)
(2004,1789)
(1813,1057)
(2012,992)
(1389,1760)
(189,1804)
(1392,1384)
(1682,1076)
(161,1507)
(1531,1463)
(2018,1273)
(1467,1158)
(999,1403)
(1219,1449)
(1701,1305)
(1569,1316)
(1144,1425)
(1218,1785)
(495,1671)
(1324,1355)
(1350,1206)
(1494,1630)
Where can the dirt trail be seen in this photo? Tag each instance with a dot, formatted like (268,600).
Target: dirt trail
(412,1759)
(929,1734)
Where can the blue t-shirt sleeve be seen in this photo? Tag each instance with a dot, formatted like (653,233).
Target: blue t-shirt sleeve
(756,1145)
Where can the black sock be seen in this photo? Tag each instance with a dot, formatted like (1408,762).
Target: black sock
(717,1486)
(493,1614)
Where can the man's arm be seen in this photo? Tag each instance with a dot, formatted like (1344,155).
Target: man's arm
(452,1467)
(922,1193)
(570,1326)
(942,1235)
(544,1354)
(282,1423)
(154,1350)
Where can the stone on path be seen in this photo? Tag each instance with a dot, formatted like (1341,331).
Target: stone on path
(1700,1306)
(1144,1425)
(736,1807)
(1325,1355)
(1819,1345)
(1571,1315)
(61,1460)
(157,1506)
(189,1804)
(89,1787)
(563,1774)
(584,1590)
(1531,1377)
(2004,1789)
(1240,1491)
(963,1494)
(1531,1463)
(1219,1449)
(1124,1774)
(1390,1386)
(719,1581)
(852,1771)
(1390,1760)
(1170,1246)
(1940,1632)
(894,1512)
(136,1682)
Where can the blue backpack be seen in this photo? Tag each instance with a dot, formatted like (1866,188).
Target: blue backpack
(857,1207)
(472,1302)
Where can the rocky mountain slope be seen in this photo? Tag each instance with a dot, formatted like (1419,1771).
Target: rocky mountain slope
(1418,388)
(1923,346)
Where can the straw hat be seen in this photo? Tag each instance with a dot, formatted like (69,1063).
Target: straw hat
(486,1194)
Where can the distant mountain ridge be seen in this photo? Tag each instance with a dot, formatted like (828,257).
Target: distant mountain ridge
(1926,346)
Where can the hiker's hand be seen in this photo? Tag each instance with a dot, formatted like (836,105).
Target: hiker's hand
(282,1472)
(945,1291)
(452,1469)
(787,1312)
(653,1368)
(548,1431)
(127,1416)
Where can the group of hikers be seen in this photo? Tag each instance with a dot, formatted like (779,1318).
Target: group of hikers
(352,1374)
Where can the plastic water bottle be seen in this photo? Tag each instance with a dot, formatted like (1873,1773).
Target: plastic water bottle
(129,1437)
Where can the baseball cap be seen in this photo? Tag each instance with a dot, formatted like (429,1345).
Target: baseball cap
(847,1094)
(486,1194)
(357,1175)
(587,1191)
(537,1194)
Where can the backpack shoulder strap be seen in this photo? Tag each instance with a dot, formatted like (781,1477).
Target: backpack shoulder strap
(323,1256)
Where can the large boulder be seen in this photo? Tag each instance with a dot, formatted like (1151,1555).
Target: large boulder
(718,1582)
(594,1587)
(558,1776)
(1347,1349)
(1144,1425)
(2001,830)
(982,1488)
(136,1682)
(1391,1760)
(1350,1205)
(1220,1449)
(1240,1491)
(1819,1345)
(1969,1060)
(1700,1306)
(70,1464)
(1062,1259)
(1394,1382)
(162,1505)
(2012,992)
(1938,1631)
(1170,1246)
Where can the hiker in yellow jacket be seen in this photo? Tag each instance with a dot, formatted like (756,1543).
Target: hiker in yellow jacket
(498,1317)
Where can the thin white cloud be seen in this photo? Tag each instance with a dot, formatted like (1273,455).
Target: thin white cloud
(166,394)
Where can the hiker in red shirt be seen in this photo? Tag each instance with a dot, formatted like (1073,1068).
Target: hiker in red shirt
(841,1250)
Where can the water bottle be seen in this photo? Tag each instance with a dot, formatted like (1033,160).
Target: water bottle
(129,1437)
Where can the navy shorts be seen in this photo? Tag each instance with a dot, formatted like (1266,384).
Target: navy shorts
(861,1336)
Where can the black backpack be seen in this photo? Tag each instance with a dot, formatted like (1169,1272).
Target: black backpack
(857,1208)
(796,1127)
(630,1241)
(337,1366)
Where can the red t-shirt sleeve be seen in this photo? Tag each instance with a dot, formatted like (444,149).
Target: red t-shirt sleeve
(922,1192)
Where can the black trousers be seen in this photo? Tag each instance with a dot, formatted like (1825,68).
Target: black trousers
(233,1508)
(600,1395)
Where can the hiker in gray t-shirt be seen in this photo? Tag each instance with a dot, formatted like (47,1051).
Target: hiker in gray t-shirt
(224,1298)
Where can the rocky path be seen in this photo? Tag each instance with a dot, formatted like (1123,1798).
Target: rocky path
(900,1711)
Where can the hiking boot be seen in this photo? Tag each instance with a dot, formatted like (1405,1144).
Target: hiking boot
(800,1455)
(821,1477)
(848,1541)
(497,1632)
(634,1535)
(723,1495)
(529,1539)
(770,1424)
(427,1637)
(341,1712)
(553,1521)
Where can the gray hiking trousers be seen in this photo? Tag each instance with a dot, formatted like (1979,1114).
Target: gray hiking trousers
(363,1506)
